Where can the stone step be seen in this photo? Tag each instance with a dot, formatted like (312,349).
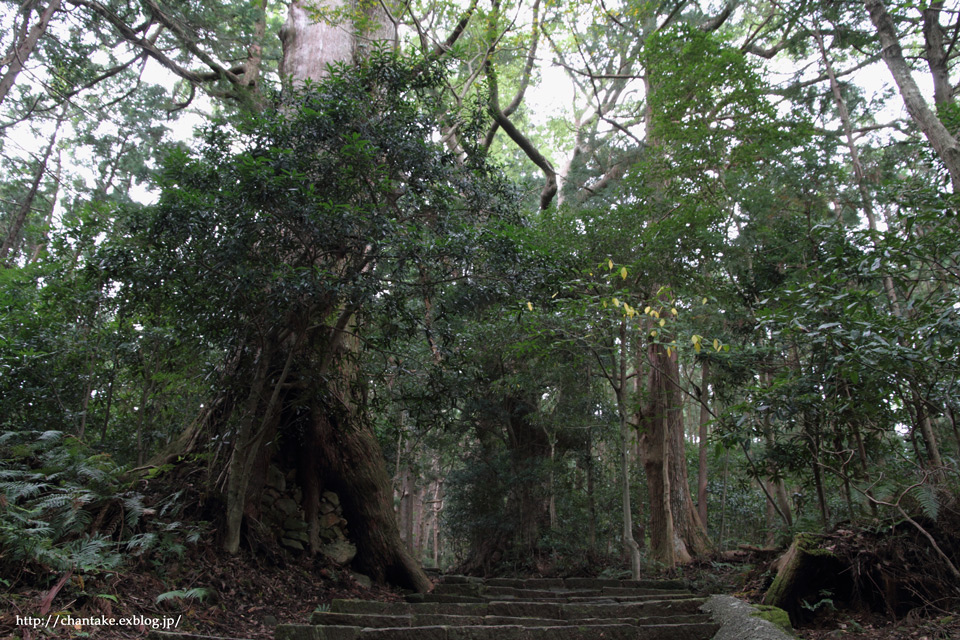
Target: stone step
(528,609)
(463,591)
(328,618)
(465,608)
(479,593)
(564,583)
(688,631)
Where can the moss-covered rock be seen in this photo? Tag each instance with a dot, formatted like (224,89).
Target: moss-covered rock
(776,615)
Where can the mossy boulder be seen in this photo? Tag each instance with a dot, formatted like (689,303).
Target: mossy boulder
(776,615)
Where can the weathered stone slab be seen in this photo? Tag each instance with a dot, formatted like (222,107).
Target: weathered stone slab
(443,597)
(443,619)
(459,588)
(485,633)
(527,583)
(313,632)
(525,609)
(406,608)
(360,619)
(644,591)
(575,611)
(521,622)
(406,633)
(455,579)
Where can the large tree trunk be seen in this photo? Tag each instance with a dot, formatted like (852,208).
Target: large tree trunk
(352,465)
(677,534)
(310,46)
(304,390)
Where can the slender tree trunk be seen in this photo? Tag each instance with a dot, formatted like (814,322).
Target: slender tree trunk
(953,423)
(591,495)
(818,479)
(702,469)
(926,429)
(629,543)
(11,242)
(723,500)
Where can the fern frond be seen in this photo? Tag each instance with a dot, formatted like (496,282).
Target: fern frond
(141,543)
(19,489)
(926,497)
(133,505)
(53,502)
(197,593)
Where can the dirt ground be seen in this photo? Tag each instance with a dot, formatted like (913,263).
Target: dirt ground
(242,598)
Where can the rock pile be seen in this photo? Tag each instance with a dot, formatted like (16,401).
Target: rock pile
(284,517)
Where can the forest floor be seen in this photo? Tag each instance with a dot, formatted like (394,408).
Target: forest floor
(246,597)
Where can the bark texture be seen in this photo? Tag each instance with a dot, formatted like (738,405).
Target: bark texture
(317,35)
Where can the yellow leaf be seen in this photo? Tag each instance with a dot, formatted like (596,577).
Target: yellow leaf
(673,311)
(653,334)
(695,339)
(696,347)
(530,306)
(669,352)
(704,301)
(630,310)
(616,302)
(663,321)
(623,272)
(716,344)
(646,309)
(554,295)
(610,263)
(655,313)
(604,303)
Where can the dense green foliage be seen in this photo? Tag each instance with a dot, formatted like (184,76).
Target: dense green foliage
(789,254)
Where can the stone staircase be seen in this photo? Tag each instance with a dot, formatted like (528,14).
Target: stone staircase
(464,608)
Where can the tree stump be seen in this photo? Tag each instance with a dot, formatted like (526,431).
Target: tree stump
(808,577)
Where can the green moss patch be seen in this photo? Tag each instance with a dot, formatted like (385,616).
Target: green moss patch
(776,615)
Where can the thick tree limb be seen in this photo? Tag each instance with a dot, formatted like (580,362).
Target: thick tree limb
(935,52)
(531,151)
(442,47)
(19,53)
(524,78)
(936,133)
(189,42)
(717,21)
